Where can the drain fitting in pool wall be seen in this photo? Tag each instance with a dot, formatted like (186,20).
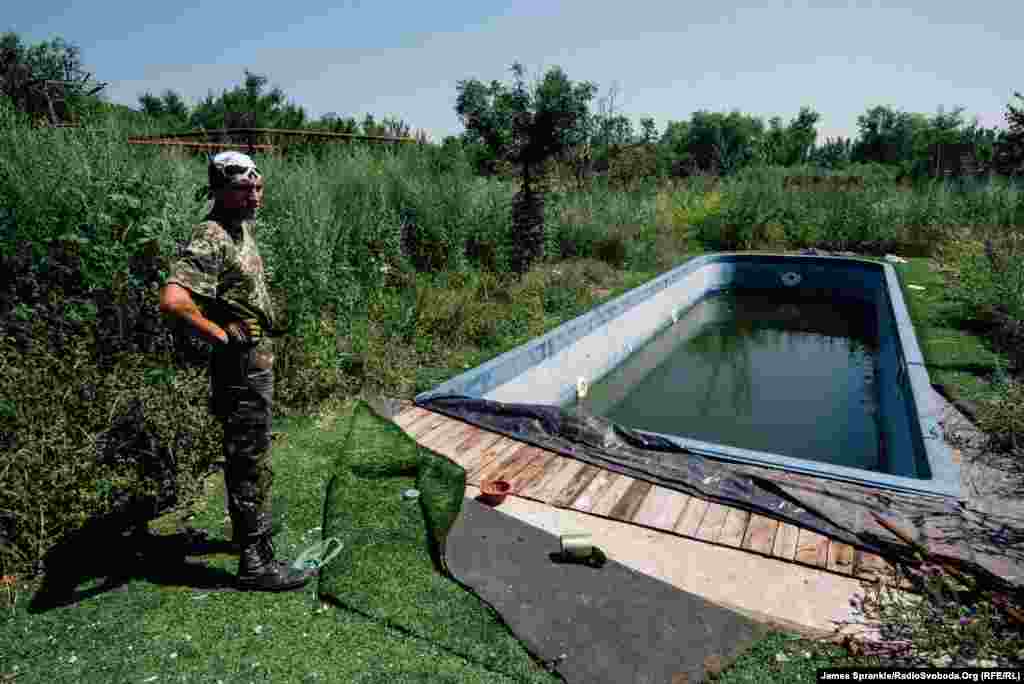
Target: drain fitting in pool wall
(791,278)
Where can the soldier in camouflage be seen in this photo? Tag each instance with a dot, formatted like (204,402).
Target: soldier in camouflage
(218,288)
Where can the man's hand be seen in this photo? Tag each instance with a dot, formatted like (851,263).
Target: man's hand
(176,302)
(246,332)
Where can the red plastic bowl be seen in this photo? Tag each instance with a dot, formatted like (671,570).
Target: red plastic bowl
(493,492)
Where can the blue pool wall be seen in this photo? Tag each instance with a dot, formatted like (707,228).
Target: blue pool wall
(546,370)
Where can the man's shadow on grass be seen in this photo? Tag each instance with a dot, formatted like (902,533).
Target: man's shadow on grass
(105,556)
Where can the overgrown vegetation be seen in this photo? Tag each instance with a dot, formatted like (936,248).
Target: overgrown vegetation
(394,268)
(950,621)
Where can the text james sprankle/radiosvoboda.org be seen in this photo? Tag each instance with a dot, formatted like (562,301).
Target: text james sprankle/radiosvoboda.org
(920,675)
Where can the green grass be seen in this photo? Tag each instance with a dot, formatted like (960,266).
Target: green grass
(148,632)
(166,629)
(389,567)
(957,354)
(782,658)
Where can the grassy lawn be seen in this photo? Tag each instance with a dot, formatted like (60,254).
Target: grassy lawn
(161,624)
(390,567)
(958,351)
(166,630)
(955,353)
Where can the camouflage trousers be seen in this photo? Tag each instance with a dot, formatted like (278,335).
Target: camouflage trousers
(242,398)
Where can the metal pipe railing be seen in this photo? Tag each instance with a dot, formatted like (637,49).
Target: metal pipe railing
(278,132)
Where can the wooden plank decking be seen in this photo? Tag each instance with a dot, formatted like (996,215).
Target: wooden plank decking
(567,483)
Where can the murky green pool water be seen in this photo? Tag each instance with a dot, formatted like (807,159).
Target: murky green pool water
(772,372)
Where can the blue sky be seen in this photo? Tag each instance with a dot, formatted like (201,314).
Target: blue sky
(667,59)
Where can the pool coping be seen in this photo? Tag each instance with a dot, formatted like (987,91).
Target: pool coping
(945,471)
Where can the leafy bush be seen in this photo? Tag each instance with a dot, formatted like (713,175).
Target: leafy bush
(572,231)
(990,283)
(80,442)
(633,166)
(991,277)
(567,290)
(740,220)
(613,226)
(1002,418)
(877,218)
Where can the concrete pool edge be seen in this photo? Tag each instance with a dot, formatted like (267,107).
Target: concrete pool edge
(544,370)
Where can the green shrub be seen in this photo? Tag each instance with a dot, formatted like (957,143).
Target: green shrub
(89,188)
(1002,418)
(991,279)
(80,442)
(614,226)
(571,228)
(567,290)
(878,218)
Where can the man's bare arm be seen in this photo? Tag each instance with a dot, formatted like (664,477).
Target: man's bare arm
(176,301)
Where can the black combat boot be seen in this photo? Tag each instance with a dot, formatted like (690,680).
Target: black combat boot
(238,537)
(258,570)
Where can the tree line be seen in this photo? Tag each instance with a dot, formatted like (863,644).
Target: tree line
(252,105)
(721,143)
(526,124)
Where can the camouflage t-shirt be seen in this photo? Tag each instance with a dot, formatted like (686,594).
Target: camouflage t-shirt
(224,272)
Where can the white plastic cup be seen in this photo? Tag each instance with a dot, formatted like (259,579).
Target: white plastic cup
(582,387)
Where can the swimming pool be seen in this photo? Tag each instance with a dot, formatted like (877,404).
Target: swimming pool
(629,340)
